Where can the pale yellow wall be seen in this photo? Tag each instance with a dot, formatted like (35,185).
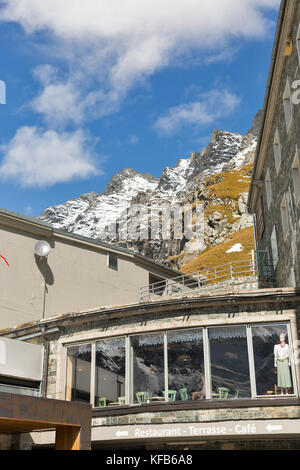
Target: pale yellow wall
(78,278)
(21,284)
(82,279)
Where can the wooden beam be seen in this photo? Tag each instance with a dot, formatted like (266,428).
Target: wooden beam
(67,438)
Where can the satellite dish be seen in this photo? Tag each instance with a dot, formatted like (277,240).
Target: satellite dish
(42,248)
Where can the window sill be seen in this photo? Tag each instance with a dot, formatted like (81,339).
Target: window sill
(264,401)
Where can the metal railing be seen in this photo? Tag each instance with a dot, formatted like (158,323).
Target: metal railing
(208,278)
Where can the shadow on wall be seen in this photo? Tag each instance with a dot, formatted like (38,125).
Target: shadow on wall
(45,270)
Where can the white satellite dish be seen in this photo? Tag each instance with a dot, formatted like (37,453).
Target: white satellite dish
(42,248)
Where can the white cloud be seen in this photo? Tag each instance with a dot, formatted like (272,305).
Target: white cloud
(114,44)
(27,210)
(35,157)
(211,106)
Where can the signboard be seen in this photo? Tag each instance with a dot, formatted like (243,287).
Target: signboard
(20,359)
(221,429)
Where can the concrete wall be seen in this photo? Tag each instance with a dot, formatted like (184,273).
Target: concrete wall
(288,268)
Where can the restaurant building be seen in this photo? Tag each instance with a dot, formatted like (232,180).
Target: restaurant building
(196,372)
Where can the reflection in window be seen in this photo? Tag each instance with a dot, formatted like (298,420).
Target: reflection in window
(148,367)
(270,380)
(110,372)
(229,362)
(186,364)
(78,373)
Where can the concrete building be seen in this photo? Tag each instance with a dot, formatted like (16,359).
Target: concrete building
(275,188)
(79,272)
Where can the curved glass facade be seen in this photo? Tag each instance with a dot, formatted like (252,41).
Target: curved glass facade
(205,363)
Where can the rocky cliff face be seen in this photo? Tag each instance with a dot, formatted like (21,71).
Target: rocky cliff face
(217,178)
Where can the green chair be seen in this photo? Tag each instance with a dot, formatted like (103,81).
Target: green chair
(183,394)
(101,401)
(141,397)
(236,394)
(122,400)
(223,392)
(171,395)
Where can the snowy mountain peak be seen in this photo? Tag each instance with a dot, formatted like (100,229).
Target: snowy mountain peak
(90,214)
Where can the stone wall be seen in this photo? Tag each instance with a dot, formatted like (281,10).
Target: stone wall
(282,183)
(201,416)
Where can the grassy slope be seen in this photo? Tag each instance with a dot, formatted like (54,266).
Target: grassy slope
(217,256)
(226,187)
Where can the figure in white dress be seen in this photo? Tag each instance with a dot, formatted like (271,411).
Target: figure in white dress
(282,362)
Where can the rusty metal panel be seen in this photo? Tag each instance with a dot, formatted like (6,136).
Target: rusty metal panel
(20,359)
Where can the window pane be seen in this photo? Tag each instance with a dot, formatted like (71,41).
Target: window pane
(78,373)
(112,261)
(110,372)
(229,362)
(148,367)
(267,380)
(186,364)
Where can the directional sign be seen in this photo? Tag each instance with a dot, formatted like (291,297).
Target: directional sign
(272,428)
(122,433)
(221,429)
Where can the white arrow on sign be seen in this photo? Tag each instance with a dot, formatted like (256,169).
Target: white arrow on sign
(274,427)
(121,433)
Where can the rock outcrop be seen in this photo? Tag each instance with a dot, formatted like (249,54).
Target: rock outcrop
(217,179)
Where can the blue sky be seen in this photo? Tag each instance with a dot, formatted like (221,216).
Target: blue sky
(94,86)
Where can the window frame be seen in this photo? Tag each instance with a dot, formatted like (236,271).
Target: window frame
(129,386)
(110,265)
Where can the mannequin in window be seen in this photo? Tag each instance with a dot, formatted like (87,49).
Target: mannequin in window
(282,364)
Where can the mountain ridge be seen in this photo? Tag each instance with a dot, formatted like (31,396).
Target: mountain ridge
(190,181)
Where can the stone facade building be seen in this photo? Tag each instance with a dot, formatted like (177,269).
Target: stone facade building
(275,188)
(184,373)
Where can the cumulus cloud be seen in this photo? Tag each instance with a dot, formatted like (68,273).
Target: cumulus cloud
(211,106)
(115,44)
(35,157)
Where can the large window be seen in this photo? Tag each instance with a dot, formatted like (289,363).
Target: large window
(213,362)
(110,372)
(148,368)
(272,368)
(229,362)
(79,373)
(186,365)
